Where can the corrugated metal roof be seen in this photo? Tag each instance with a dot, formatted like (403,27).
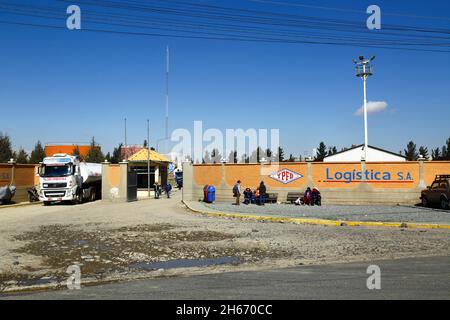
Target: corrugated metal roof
(141,155)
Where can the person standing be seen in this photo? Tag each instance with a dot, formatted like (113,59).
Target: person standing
(237,192)
(262,193)
(168,188)
(157,191)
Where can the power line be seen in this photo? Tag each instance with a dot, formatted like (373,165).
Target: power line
(290,4)
(228,32)
(151,25)
(213,38)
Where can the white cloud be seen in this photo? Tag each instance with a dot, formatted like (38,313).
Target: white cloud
(372,107)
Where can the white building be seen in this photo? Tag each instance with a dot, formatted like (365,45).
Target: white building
(374,154)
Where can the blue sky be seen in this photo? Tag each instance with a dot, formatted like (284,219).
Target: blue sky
(67,86)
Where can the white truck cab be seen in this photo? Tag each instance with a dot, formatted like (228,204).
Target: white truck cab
(64,177)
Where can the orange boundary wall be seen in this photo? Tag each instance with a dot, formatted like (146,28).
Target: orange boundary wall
(352,183)
(23,176)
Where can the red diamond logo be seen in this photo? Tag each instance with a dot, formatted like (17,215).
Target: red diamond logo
(286,176)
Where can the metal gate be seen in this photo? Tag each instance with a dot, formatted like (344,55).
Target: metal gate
(131,186)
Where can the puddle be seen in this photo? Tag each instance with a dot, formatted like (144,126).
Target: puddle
(36,282)
(186,263)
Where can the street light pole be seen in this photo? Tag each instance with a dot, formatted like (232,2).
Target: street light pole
(148,157)
(363,71)
(366,134)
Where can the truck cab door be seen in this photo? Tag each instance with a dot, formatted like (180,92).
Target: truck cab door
(434,192)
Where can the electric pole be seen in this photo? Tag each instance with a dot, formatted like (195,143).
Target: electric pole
(148,157)
(364,70)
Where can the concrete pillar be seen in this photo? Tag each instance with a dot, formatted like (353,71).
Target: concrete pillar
(12,162)
(422,183)
(363,169)
(222,181)
(309,173)
(123,188)
(105,181)
(188,181)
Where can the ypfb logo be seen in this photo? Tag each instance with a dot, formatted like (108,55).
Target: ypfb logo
(286,176)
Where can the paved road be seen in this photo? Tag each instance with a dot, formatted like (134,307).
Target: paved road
(415,278)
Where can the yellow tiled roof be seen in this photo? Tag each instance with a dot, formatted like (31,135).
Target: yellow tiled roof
(141,155)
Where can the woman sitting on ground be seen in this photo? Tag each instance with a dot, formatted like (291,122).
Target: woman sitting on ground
(248,194)
(307,198)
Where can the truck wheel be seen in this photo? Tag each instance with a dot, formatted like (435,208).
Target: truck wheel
(78,198)
(444,203)
(424,201)
(47,203)
(92,196)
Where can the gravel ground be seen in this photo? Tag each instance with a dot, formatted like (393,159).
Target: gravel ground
(108,240)
(341,212)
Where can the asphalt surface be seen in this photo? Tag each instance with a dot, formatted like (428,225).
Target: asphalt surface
(414,278)
(376,213)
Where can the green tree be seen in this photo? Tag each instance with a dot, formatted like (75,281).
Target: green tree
(115,158)
(436,154)
(291,158)
(94,154)
(411,151)
(207,157)
(76,152)
(38,153)
(268,153)
(232,157)
(145,144)
(216,157)
(332,150)
(321,152)
(22,156)
(445,154)
(280,154)
(423,151)
(6,152)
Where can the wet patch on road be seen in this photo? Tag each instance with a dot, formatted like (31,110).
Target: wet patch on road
(102,252)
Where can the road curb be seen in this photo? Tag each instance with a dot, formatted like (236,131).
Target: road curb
(20,204)
(323,222)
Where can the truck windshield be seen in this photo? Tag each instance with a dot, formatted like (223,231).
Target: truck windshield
(55,171)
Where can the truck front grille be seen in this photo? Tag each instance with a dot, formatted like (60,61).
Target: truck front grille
(55,185)
(54,194)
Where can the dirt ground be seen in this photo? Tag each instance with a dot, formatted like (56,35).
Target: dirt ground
(156,238)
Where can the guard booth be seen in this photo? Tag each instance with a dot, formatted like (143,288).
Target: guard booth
(138,164)
(131,186)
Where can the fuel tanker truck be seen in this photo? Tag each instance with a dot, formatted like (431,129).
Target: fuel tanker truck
(65,178)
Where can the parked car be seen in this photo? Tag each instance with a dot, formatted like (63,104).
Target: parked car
(6,194)
(437,193)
